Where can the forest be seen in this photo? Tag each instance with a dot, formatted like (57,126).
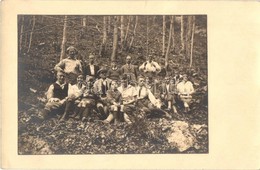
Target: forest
(178,42)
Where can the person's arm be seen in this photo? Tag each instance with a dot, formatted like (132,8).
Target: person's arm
(157,66)
(191,88)
(49,93)
(80,67)
(110,98)
(60,66)
(122,70)
(142,67)
(152,99)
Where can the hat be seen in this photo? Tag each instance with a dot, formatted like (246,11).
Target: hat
(128,57)
(102,70)
(71,48)
(89,78)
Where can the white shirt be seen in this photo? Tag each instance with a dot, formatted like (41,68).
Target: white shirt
(69,66)
(75,90)
(185,88)
(49,93)
(150,67)
(128,93)
(143,92)
(92,71)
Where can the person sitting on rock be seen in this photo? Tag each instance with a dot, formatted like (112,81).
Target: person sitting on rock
(167,90)
(70,65)
(57,95)
(150,68)
(185,90)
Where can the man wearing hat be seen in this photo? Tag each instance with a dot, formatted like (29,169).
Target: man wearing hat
(70,65)
(130,70)
(114,72)
(100,87)
(102,84)
(150,68)
(91,69)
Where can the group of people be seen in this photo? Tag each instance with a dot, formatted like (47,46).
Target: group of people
(114,94)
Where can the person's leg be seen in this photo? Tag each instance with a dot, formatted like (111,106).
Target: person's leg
(69,105)
(80,113)
(111,114)
(85,113)
(100,108)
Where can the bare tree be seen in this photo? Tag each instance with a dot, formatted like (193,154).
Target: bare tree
(132,39)
(192,37)
(31,34)
(64,39)
(122,27)
(169,42)
(163,38)
(21,35)
(104,40)
(84,21)
(115,38)
(127,27)
(109,24)
(182,38)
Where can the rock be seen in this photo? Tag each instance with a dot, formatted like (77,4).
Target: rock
(180,136)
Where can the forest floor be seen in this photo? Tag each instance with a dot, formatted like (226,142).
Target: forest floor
(183,133)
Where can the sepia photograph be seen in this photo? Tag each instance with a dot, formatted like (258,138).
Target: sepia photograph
(129,84)
(112,84)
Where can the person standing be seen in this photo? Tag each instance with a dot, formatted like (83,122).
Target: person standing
(91,69)
(70,65)
(114,72)
(150,68)
(130,70)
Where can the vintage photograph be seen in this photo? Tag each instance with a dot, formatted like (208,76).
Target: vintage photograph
(112,84)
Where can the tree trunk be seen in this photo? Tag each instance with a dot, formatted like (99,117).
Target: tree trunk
(169,43)
(104,40)
(188,37)
(192,37)
(42,19)
(163,38)
(147,36)
(127,28)
(31,34)
(132,39)
(122,32)
(182,38)
(84,21)
(115,39)
(21,35)
(109,25)
(64,39)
